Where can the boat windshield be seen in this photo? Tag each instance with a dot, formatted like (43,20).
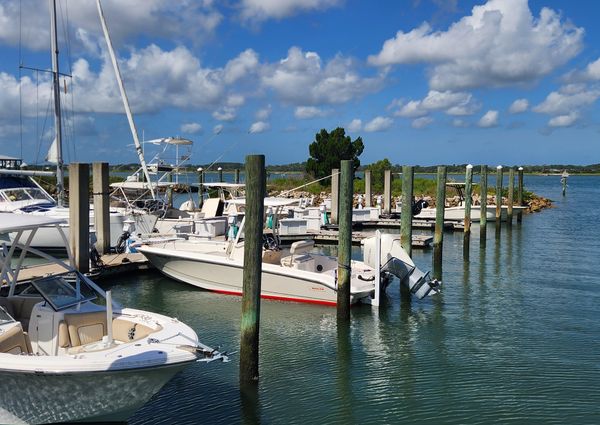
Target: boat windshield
(63,291)
(5,317)
(24,194)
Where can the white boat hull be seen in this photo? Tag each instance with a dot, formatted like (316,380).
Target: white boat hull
(458,213)
(225,276)
(79,397)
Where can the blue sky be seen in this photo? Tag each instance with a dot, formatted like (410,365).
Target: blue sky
(421,81)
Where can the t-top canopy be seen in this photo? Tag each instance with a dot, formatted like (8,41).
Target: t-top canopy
(170,141)
(269,202)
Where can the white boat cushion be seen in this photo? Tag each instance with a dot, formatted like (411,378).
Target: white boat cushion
(86,327)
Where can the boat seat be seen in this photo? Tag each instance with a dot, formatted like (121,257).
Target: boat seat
(84,328)
(127,331)
(271,257)
(301,247)
(14,341)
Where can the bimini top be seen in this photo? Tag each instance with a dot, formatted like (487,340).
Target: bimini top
(269,202)
(10,222)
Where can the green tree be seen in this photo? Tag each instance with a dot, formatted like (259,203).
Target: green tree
(329,149)
(377,171)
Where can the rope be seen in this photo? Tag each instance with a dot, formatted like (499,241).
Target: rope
(306,184)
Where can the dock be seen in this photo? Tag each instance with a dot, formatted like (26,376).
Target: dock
(394,223)
(112,264)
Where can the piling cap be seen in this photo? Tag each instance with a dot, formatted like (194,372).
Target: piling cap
(520,168)
(219,169)
(469,166)
(499,167)
(200,169)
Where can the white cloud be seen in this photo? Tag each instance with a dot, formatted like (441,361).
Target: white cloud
(217,129)
(307,112)
(568,99)
(457,122)
(264,113)
(564,120)
(453,103)
(421,122)
(499,44)
(355,125)
(245,63)
(303,79)
(235,100)
(225,113)
(191,128)
(489,119)
(195,21)
(519,106)
(378,124)
(259,127)
(260,10)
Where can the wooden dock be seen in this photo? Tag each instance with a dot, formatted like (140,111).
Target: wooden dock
(394,223)
(112,264)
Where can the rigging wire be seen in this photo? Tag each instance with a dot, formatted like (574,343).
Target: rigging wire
(20,81)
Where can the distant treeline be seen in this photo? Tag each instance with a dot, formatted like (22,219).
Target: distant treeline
(301,167)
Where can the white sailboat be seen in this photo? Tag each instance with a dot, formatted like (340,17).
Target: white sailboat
(68,353)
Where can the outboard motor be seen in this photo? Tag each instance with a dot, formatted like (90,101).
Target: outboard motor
(395,261)
(417,206)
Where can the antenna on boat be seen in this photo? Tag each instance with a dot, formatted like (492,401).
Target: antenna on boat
(60,187)
(138,146)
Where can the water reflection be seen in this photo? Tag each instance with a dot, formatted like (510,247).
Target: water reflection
(343,368)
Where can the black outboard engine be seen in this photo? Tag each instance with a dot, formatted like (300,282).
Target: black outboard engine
(417,206)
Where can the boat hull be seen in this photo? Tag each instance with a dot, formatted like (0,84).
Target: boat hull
(226,277)
(110,396)
(458,213)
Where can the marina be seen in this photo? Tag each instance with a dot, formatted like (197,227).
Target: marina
(209,214)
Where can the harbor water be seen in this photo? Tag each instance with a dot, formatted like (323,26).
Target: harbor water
(513,338)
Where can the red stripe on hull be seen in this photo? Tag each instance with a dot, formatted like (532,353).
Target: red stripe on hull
(273,297)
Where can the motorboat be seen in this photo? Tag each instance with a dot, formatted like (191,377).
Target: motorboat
(69,353)
(457,213)
(21,194)
(297,273)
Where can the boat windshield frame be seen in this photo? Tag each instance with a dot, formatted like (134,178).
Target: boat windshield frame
(65,290)
(29,194)
(5,317)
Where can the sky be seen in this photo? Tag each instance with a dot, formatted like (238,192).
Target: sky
(423,82)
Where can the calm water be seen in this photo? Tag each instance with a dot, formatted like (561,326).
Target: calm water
(514,337)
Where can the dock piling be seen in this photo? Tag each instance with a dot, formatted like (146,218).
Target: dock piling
(201,188)
(468,201)
(499,185)
(250,324)
(79,215)
(368,189)
(483,206)
(511,195)
(520,194)
(387,192)
(220,170)
(335,195)
(345,241)
(440,203)
(236,178)
(101,206)
(408,174)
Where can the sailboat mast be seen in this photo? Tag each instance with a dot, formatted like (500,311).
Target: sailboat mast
(60,186)
(136,141)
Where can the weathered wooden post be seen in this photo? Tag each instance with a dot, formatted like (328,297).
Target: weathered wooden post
(511,195)
(253,230)
(101,206)
(220,170)
(237,176)
(387,192)
(169,190)
(440,201)
(468,197)
(335,195)
(438,236)
(520,195)
(345,241)
(79,215)
(483,206)
(468,200)
(499,184)
(408,174)
(201,187)
(368,188)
